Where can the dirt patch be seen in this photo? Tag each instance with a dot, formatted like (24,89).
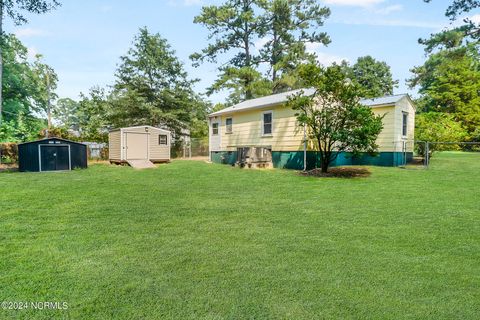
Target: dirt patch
(343,172)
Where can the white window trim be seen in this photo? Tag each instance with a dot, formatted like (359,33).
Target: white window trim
(218,129)
(406,129)
(226,126)
(263,124)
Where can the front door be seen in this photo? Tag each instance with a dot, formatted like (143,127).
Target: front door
(137,146)
(54,158)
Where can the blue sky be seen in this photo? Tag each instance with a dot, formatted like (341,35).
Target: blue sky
(83,40)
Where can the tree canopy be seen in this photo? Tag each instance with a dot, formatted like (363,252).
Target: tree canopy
(333,116)
(372,76)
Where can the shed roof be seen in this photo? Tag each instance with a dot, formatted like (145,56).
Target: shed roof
(52,138)
(136,127)
(276,99)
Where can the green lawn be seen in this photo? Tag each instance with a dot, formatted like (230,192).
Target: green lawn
(194,240)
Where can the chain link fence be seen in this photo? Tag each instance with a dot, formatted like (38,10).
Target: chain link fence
(190,148)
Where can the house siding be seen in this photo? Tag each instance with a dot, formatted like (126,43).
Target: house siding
(286,139)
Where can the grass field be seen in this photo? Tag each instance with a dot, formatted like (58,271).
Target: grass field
(195,240)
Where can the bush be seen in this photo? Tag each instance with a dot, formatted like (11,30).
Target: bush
(438,127)
(9,152)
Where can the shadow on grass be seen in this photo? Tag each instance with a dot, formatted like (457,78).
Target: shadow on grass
(342,172)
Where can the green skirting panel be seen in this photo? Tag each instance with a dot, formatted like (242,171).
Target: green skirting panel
(294,159)
(224,157)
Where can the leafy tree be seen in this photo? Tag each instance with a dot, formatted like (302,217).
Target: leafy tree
(289,25)
(152,87)
(233,26)
(333,115)
(239,81)
(438,127)
(66,113)
(14,9)
(22,95)
(374,77)
(92,114)
(450,38)
(449,81)
(45,82)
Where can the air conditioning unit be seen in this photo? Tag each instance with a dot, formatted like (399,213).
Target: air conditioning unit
(254,157)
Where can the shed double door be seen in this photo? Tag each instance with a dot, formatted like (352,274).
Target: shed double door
(137,146)
(54,158)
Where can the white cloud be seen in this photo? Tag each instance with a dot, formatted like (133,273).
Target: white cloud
(389,9)
(356,3)
(29,32)
(324,58)
(261,42)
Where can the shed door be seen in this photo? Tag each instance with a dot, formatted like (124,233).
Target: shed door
(137,146)
(54,158)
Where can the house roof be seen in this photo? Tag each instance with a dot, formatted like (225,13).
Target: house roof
(276,99)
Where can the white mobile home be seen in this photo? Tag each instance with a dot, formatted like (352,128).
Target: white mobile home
(139,143)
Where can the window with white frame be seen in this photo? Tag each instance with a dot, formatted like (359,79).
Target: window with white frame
(229,125)
(267,121)
(162,139)
(215,128)
(404,124)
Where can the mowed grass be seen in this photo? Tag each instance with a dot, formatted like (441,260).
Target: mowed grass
(191,240)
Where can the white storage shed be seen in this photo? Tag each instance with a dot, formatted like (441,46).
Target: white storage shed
(141,143)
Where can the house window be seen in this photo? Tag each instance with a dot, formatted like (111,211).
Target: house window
(404,123)
(267,123)
(228,124)
(215,128)
(162,139)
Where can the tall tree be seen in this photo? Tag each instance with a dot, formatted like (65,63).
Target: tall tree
(449,81)
(333,115)
(23,96)
(374,77)
(45,80)
(14,9)
(152,86)
(66,113)
(467,32)
(288,25)
(233,27)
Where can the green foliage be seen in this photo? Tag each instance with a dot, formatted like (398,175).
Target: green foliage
(66,113)
(438,127)
(467,33)
(23,93)
(153,88)
(449,81)
(233,26)
(92,115)
(241,81)
(285,27)
(288,25)
(374,77)
(14,8)
(333,116)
